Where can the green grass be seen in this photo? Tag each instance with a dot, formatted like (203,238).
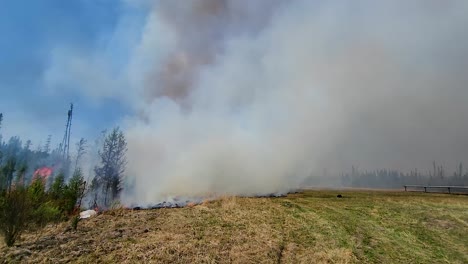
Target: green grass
(309,227)
(384,227)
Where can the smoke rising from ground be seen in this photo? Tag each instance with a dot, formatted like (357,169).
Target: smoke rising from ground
(252,97)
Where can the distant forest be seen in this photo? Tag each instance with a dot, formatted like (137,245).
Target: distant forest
(393,179)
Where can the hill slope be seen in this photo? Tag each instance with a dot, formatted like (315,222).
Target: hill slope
(309,227)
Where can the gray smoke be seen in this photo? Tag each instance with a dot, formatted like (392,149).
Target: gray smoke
(200,30)
(251,97)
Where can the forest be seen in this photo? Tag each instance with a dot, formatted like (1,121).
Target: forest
(47,183)
(395,179)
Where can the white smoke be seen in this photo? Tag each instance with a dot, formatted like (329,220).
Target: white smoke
(251,97)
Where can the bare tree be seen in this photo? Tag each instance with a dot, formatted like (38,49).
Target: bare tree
(7,172)
(47,145)
(80,151)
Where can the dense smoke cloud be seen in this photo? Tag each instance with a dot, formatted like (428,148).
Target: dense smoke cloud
(252,97)
(200,30)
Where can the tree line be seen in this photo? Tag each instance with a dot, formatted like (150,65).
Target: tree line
(39,186)
(386,179)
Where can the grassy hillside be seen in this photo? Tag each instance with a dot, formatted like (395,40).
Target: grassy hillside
(309,227)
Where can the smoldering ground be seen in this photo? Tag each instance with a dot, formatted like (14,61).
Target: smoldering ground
(252,97)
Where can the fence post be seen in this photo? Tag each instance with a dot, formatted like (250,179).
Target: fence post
(449,189)
(425,189)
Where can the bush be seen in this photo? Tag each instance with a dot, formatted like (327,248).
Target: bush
(15,212)
(46,213)
(74,222)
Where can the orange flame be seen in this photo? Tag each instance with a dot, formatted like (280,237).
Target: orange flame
(43,172)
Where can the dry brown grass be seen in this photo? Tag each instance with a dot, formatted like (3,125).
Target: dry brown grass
(310,227)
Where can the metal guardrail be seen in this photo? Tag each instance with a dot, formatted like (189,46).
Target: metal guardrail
(426,187)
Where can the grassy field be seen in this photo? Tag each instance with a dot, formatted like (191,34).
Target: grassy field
(308,227)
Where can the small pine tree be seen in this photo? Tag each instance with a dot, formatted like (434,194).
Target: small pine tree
(58,186)
(74,192)
(36,192)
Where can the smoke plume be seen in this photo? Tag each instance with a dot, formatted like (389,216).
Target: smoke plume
(251,97)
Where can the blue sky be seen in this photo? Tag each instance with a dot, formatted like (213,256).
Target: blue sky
(114,58)
(30,32)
